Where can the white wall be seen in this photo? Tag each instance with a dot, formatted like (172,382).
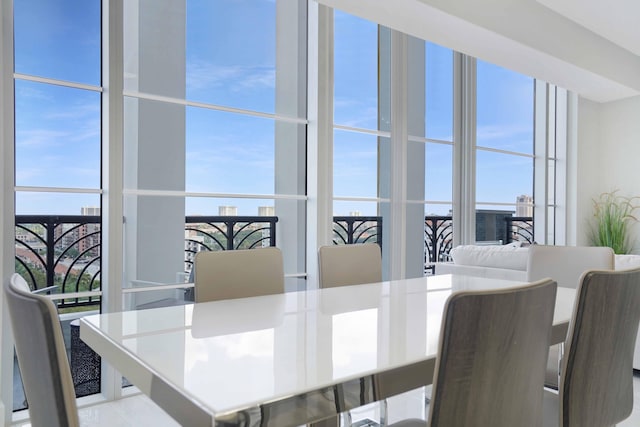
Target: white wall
(620,153)
(607,158)
(585,170)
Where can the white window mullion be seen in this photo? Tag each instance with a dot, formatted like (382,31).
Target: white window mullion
(464,150)
(561,159)
(112,172)
(7,221)
(541,163)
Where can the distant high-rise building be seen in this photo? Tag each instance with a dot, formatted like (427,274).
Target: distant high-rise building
(354,213)
(266,211)
(88,235)
(227,210)
(90,211)
(524,206)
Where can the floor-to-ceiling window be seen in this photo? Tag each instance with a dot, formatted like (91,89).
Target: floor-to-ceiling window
(361,129)
(504,154)
(57,107)
(215,125)
(215,119)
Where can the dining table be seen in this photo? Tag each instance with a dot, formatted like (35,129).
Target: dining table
(292,358)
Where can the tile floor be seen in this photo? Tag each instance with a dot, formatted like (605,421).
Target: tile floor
(138,410)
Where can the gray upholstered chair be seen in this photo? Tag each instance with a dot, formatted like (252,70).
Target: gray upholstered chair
(223,275)
(596,381)
(565,265)
(41,356)
(340,265)
(491,358)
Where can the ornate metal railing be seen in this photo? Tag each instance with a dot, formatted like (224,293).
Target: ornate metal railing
(519,228)
(438,240)
(348,230)
(64,251)
(60,253)
(215,233)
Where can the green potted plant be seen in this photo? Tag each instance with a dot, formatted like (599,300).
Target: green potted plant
(613,214)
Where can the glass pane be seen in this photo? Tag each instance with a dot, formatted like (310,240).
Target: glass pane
(355,164)
(35,203)
(230,58)
(492,225)
(184,226)
(439,172)
(438,233)
(229,207)
(58,39)
(432,209)
(229,153)
(354,208)
(505,109)
(356,72)
(58,242)
(502,178)
(439,92)
(356,222)
(57,136)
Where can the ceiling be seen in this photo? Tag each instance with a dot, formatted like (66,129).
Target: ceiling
(591,47)
(615,20)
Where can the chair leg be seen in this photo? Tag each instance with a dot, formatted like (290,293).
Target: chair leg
(346,419)
(560,356)
(384,420)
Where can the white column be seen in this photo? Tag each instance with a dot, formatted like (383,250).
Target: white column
(319,136)
(290,138)
(415,173)
(154,150)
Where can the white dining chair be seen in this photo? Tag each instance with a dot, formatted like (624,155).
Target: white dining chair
(42,357)
(340,265)
(491,358)
(344,265)
(596,377)
(243,273)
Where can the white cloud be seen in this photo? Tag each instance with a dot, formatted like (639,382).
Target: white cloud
(202,75)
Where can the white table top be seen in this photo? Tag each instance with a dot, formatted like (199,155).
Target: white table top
(290,358)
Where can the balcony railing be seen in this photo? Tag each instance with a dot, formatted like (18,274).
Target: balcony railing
(519,228)
(214,233)
(64,252)
(348,230)
(60,253)
(438,240)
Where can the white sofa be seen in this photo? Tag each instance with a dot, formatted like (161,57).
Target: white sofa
(507,262)
(510,262)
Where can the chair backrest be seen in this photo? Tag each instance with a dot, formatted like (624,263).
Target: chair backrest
(596,382)
(565,264)
(238,274)
(42,357)
(341,265)
(492,357)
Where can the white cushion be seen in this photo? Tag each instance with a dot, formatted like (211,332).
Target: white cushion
(627,262)
(510,256)
(478,271)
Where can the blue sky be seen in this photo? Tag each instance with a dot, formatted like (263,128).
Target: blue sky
(230,58)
